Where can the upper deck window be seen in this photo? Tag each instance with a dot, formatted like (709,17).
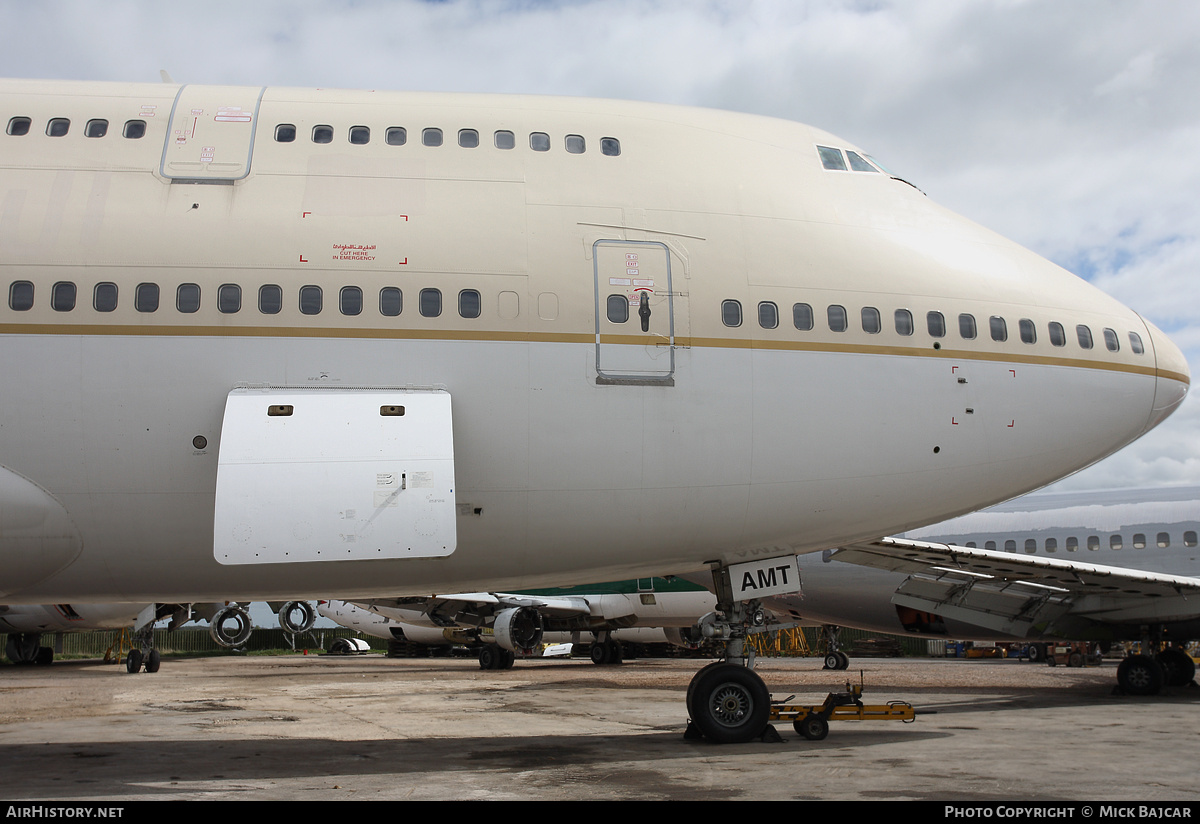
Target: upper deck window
(62,296)
(966,326)
(1028,331)
(360,135)
(285,133)
(391,301)
(396,136)
(802,316)
(871,322)
(322,134)
(831,158)
(610,146)
(904,322)
(1058,337)
(836,316)
(470,304)
(1110,340)
(270,299)
(429,303)
(431,137)
(104,297)
(575,144)
(18,126)
(468,138)
(229,298)
(134,129)
(935,322)
(95,128)
(999,328)
(504,139)
(58,127)
(1085,336)
(539,142)
(768,315)
(145,297)
(311,300)
(1135,343)
(187,297)
(731,313)
(350,300)
(20,296)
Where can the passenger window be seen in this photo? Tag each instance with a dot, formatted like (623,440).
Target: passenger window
(62,296)
(1030,545)
(350,300)
(1072,544)
(1027,330)
(104,297)
(187,298)
(20,296)
(871,322)
(145,297)
(618,308)
(360,135)
(18,126)
(575,144)
(396,136)
(1052,545)
(468,138)
(999,328)
(134,129)
(1085,336)
(1135,343)
(1058,337)
(831,158)
(1189,538)
(802,316)
(431,137)
(270,299)
(285,133)
(429,303)
(768,315)
(470,305)
(58,127)
(391,301)
(966,326)
(504,139)
(858,164)
(1110,340)
(1164,540)
(229,298)
(95,128)
(610,146)
(1139,541)
(971,544)
(731,313)
(539,142)
(311,300)
(1010,545)
(836,316)
(904,322)
(322,134)
(936,324)
(1115,542)
(989,544)
(1093,542)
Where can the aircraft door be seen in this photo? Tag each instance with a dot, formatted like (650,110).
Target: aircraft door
(211,134)
(635,323)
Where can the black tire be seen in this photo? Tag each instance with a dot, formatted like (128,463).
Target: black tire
(832,661)
(732,704)
(691,690)
(1178,667)
(600,653)
(812,726)
(616,653)
(1036,652)
(1075,659)
(45,656)
(506,659)
(133,661)
(153,661)
(843,661)
(489,657)
(1140,675)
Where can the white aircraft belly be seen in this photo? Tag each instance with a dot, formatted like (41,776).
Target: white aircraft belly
(578,481)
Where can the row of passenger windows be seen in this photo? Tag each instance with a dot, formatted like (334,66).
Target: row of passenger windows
(838,320)
(147,296)
(1162,540)
(467,138)
(61,126)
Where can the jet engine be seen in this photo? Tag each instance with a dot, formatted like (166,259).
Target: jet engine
(230,626)
(296,617)
(518,629)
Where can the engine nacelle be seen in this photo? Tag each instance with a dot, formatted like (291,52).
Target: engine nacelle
(518,629)
(686,637)
(297,617)
(230,626)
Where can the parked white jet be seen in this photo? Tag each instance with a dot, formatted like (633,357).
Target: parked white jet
(1102,566)
(565,341)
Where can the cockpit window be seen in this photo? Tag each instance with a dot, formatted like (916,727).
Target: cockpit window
(832,158)
(858,164)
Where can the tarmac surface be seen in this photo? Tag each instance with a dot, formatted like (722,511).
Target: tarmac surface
(372,728)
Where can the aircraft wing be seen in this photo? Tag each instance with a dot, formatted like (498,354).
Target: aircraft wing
(1025,596)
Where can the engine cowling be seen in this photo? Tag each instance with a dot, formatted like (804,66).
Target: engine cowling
(230,626)
(297,617)
(686,637)
(518,629)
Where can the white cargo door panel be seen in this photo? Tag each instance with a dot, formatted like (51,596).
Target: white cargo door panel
(334,475)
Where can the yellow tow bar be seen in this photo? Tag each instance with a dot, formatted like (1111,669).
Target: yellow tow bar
(813,721)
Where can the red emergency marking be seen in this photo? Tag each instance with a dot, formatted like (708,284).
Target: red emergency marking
(953,369)
(404,262)
(1014,372)
(303,259)
(305,214)
(952,421)
(1012,423)
(405,218)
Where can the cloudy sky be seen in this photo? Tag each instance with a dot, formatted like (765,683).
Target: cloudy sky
(1070,126)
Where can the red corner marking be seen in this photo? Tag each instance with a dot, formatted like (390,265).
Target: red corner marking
(404,262)
(303,259)
(305,214)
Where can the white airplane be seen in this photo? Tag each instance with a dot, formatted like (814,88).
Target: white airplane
(25,625)
(512,624)
(566,340)
(1111,565)
(609,651)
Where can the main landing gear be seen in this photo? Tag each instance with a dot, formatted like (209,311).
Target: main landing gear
(835,659)
(1147,674)
(607,650)
(496,657)
(143,653)
(26,648)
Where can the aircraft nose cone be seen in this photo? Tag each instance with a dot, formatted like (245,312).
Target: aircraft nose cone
(1172,376)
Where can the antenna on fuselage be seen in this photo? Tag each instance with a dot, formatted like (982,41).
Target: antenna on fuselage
(166,78)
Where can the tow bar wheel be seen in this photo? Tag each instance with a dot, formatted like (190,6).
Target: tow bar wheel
(729,703)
